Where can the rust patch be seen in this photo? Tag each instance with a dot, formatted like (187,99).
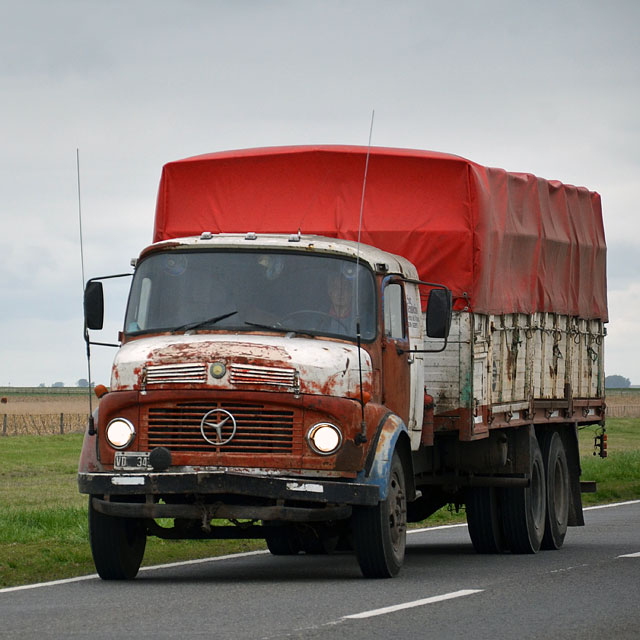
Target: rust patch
(203,351)
(511,362)
(426,439)
(154,248)
(350,457)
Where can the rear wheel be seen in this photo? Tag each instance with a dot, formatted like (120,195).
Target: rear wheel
(117,544)
(380,532)
(557,479)
(524,509)
(483,517)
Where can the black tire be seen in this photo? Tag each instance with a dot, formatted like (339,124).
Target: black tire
(483,518)
(117,544)
(380,532)
(318,542)
(282,541)
(558,491)
(524,509)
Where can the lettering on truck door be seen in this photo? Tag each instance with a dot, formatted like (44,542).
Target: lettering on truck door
(415,327)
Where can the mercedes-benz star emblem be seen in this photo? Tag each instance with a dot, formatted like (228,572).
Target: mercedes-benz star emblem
(215,420)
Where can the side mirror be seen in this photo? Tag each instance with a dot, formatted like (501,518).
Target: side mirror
(439,308)
(93,305)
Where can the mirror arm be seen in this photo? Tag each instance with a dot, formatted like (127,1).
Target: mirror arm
(117,275)
(444,346)
(435,285)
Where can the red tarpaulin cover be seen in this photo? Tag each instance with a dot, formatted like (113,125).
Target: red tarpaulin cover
(511,241)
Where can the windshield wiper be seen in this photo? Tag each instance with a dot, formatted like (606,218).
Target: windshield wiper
(279,328)
(201,323)
(270,327)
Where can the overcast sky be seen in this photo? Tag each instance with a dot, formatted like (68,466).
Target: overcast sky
(551,88)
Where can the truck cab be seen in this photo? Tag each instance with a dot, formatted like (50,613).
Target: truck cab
(261,377)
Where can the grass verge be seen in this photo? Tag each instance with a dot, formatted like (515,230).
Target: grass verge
(43,521)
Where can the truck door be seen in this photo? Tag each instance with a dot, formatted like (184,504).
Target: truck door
(396,387)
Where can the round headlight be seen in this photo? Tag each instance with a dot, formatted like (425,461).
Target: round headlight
(324,438)
(120,433)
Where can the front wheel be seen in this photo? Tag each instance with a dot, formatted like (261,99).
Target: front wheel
(380,532)
(117,544)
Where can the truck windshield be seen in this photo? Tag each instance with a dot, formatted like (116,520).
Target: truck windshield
(242,291)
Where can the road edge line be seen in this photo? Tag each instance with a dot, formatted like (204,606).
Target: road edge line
(611,504)
(154,567)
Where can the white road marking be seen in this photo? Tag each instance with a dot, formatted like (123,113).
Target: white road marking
(155,567)
(411,605)
(442,526)
(612,504)
(48,584)
(378,612)
(630,555)
(186,563)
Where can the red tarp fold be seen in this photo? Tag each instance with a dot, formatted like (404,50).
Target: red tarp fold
(512,242)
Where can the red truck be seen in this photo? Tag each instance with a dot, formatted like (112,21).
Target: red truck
(317,365)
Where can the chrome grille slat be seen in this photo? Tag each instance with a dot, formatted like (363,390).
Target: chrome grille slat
(255,374)
(186,373)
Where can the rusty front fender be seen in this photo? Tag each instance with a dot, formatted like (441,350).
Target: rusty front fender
(391,434)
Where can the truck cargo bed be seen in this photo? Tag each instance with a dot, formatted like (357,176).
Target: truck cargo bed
(505,370)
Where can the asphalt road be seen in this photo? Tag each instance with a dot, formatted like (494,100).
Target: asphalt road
(588,589)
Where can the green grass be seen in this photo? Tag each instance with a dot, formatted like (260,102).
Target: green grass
(43,518)
(43,521)
(618,475)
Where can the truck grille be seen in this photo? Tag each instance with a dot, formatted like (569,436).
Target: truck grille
(259,429)
(186,373)
(254,374)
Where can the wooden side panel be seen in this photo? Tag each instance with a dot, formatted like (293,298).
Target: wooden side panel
(506,363)
(481,357)
(448,375)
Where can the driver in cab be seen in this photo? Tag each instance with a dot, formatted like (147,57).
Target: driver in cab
(340,289)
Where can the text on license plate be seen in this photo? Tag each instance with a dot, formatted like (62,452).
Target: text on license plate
(131,460)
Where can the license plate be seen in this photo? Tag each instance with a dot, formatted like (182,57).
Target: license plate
(136,460)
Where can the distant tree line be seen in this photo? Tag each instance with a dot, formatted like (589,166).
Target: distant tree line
(82,382)
(616,382)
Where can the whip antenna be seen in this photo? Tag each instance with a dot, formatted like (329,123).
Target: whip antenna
(362,436)
(364,188)
(80,216)
(86,330)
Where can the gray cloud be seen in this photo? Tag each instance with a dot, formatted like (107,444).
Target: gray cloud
(549,88)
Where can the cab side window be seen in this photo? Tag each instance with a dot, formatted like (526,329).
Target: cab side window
(393,312)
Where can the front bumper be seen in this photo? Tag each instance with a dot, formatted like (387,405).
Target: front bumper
(223,494)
